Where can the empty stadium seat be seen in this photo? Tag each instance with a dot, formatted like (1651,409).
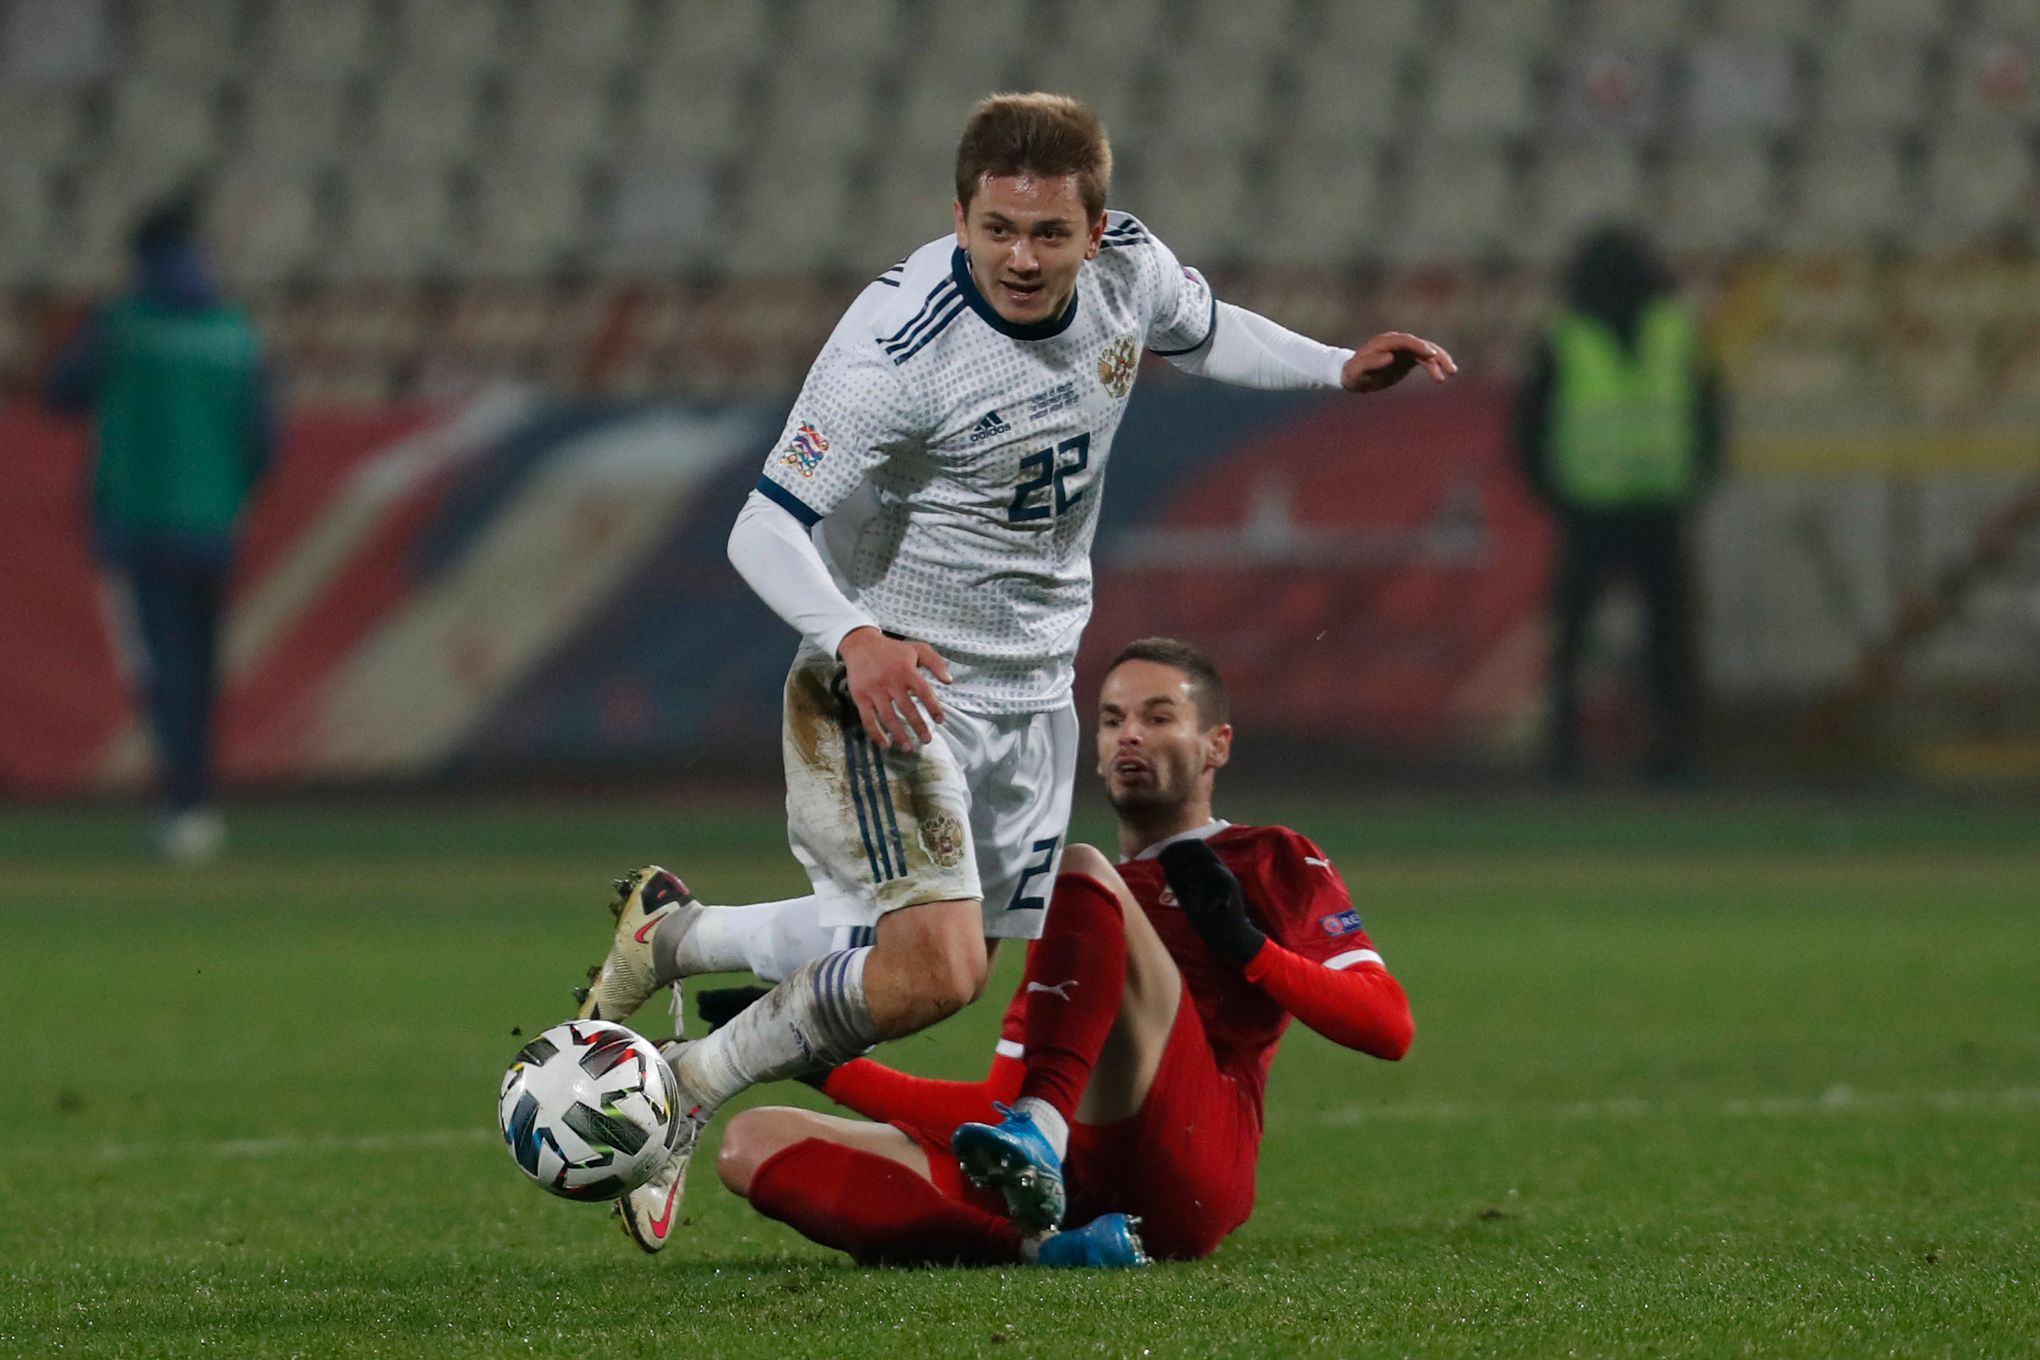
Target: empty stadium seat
(1198,201)
(321,40)
(164,118)
(549,117)
(578,40)
(1323,207)
(400,221)
(1976,190)
(289,120)
(1359,32)
(687,38)
(1610,89)
(1577,187)
(1920,20)
(681,114)
(663,214)
(1848,187)
(1994,82)
(421,115)
(1738,86)
(790,217)
(456,37)
(855,33)
(1480,92)
(1625,23)
(1519,25)
(268,224)
(1459,204)
(1362,100)
(39,127)
(191,39)
(25,222)
(1719,196)
(1870,81)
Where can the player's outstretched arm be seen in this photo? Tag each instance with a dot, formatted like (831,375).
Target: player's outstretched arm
(1362,1008)
(1389,357)
(1246,349)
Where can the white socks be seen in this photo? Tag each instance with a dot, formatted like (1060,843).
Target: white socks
(770,939)
(1048,1119)
(817,1018)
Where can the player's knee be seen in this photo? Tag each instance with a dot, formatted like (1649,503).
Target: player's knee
(1091,862)
(957,973)
(749,1141)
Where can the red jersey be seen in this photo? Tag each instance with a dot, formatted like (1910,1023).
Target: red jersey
(1297,899)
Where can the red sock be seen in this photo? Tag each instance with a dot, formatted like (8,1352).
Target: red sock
(1076,975)
(876,1209)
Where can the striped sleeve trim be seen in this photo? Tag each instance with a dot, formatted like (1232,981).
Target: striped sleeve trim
(790,503)
(955,310)
(1351,957)
(929,306)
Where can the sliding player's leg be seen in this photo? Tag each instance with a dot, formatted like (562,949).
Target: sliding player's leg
(871,1190)
(1100,992)
(1184,1158)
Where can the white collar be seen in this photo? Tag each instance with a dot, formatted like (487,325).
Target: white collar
(1195,833)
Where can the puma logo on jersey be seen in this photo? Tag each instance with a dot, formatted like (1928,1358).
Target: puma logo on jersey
(990,427)
(1055,991)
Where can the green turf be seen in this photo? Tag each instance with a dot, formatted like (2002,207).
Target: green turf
(1688,1080)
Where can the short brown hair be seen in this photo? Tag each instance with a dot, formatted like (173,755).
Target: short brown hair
(1050,135)
(1206,685)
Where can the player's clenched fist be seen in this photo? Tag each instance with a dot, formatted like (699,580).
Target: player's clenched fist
(1383,361)
(1210,897)
(885,678)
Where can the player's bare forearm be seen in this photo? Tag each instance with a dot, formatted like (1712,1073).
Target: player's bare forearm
(1362,1008)
(1389,357)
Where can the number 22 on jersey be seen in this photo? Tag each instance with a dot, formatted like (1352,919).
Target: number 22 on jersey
(1053,466)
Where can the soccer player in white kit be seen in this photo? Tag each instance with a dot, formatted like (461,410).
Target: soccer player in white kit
(925,523)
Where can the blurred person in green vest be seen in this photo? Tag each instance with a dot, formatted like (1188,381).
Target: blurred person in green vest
(174,380)
(1618,425)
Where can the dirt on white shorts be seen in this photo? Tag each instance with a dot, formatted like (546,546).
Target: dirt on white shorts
(979,812)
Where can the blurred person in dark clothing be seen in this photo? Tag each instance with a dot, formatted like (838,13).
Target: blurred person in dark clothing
(174,379)
(1618,425)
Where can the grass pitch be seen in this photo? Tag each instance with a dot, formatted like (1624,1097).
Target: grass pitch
(1687,1080)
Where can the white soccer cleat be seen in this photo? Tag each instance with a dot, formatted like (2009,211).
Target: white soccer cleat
(648,1213)
(644,901)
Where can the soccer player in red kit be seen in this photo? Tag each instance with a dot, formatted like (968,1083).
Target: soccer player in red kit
(1136,1051)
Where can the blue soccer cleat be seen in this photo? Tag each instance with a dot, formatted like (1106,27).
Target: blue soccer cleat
(1107,1242)
(1014,1158)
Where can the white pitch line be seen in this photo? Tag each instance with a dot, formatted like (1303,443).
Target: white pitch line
(1836,1100)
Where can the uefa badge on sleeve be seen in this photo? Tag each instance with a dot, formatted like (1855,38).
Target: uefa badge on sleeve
(804,451)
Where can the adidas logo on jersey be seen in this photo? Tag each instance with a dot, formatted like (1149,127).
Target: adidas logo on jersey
(991,427)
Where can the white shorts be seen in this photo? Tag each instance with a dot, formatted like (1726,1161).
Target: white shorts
(978,813)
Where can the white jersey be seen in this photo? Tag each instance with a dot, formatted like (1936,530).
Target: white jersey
(954,460)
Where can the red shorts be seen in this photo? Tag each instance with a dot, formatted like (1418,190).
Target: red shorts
(1184,1165)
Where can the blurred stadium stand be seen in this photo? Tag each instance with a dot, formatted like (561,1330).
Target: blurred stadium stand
(615,199)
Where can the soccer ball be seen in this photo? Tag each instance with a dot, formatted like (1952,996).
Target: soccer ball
(589,1110)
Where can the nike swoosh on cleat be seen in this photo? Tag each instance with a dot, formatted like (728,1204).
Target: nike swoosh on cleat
(660,1223)
(647,927)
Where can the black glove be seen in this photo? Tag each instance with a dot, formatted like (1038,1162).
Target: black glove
(1210,897)
(720,1005)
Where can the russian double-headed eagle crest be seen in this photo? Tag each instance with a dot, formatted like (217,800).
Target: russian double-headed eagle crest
(1116,367)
